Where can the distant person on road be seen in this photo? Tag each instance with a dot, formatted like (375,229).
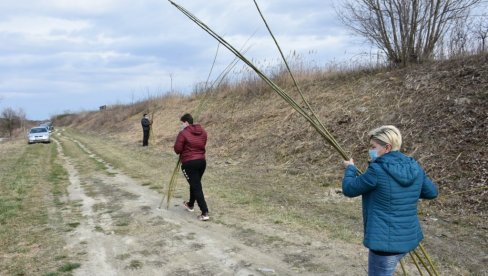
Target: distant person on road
(390,189)
(146,128)
(190,145)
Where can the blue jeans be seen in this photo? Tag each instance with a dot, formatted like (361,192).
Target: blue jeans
(382,265)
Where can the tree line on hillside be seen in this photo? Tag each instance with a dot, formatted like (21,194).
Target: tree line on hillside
(419,30)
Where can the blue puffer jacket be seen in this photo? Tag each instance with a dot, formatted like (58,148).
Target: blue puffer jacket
(390,188)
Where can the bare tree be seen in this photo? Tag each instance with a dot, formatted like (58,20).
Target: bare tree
(405,30)
(10,120)
(458,38)
(480,31)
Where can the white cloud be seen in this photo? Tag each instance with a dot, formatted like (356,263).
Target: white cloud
(85,6)
(10,95)
(100,51)
(42,26)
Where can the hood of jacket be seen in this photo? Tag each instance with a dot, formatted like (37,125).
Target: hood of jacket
(403,169)
(195,129)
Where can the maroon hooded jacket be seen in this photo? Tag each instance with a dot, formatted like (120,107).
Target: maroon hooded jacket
(190,143)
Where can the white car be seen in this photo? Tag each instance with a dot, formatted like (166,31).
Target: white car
(39,135)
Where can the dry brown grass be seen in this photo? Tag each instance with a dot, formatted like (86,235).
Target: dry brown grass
(440,108)
(270,166)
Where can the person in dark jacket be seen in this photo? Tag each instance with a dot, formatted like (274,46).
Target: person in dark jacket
(390,190)
(146,128)
(190,145)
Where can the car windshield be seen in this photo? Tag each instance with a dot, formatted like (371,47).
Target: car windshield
(38,130)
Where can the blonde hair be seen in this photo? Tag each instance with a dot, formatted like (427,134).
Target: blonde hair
(387,135)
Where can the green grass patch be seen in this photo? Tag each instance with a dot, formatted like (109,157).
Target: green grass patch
(8,208)
(73,224)
(122,222)
(69,267)
(51,274)
(32,185)
(60,257)
(134,264)
(86,164)
(122,256)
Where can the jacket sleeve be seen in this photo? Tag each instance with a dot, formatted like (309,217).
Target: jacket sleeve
(429,189)
(179,143)
(354,185)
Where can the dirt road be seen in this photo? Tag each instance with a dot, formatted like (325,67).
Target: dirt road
(121,231)
(155,241)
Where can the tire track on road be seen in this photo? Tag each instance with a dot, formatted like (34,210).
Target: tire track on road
(84,235)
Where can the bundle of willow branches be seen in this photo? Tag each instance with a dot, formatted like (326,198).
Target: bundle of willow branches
(307,112)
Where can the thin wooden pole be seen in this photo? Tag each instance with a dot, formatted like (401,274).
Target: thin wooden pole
(416,264)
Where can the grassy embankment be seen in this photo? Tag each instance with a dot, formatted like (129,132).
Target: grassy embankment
(264,158)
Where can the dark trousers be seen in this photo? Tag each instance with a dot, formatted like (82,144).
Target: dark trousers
(193,171)
(145,137)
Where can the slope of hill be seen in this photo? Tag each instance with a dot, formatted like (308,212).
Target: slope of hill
(440,107)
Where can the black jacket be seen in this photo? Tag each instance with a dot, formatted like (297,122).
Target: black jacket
(146,124)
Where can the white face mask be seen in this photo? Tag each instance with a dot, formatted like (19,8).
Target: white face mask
(183,125)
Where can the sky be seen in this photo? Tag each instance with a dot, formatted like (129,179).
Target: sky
(59,56)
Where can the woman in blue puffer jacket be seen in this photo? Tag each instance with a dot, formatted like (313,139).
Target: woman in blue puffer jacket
(390,189)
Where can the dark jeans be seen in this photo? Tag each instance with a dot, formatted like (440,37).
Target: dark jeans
(145,137)
(193,171)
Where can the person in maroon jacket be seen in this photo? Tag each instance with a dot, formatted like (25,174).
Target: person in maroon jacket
(190,145)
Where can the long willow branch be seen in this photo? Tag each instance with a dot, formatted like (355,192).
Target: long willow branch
(197,112)
(317,126)
(312,112)
(171,185)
